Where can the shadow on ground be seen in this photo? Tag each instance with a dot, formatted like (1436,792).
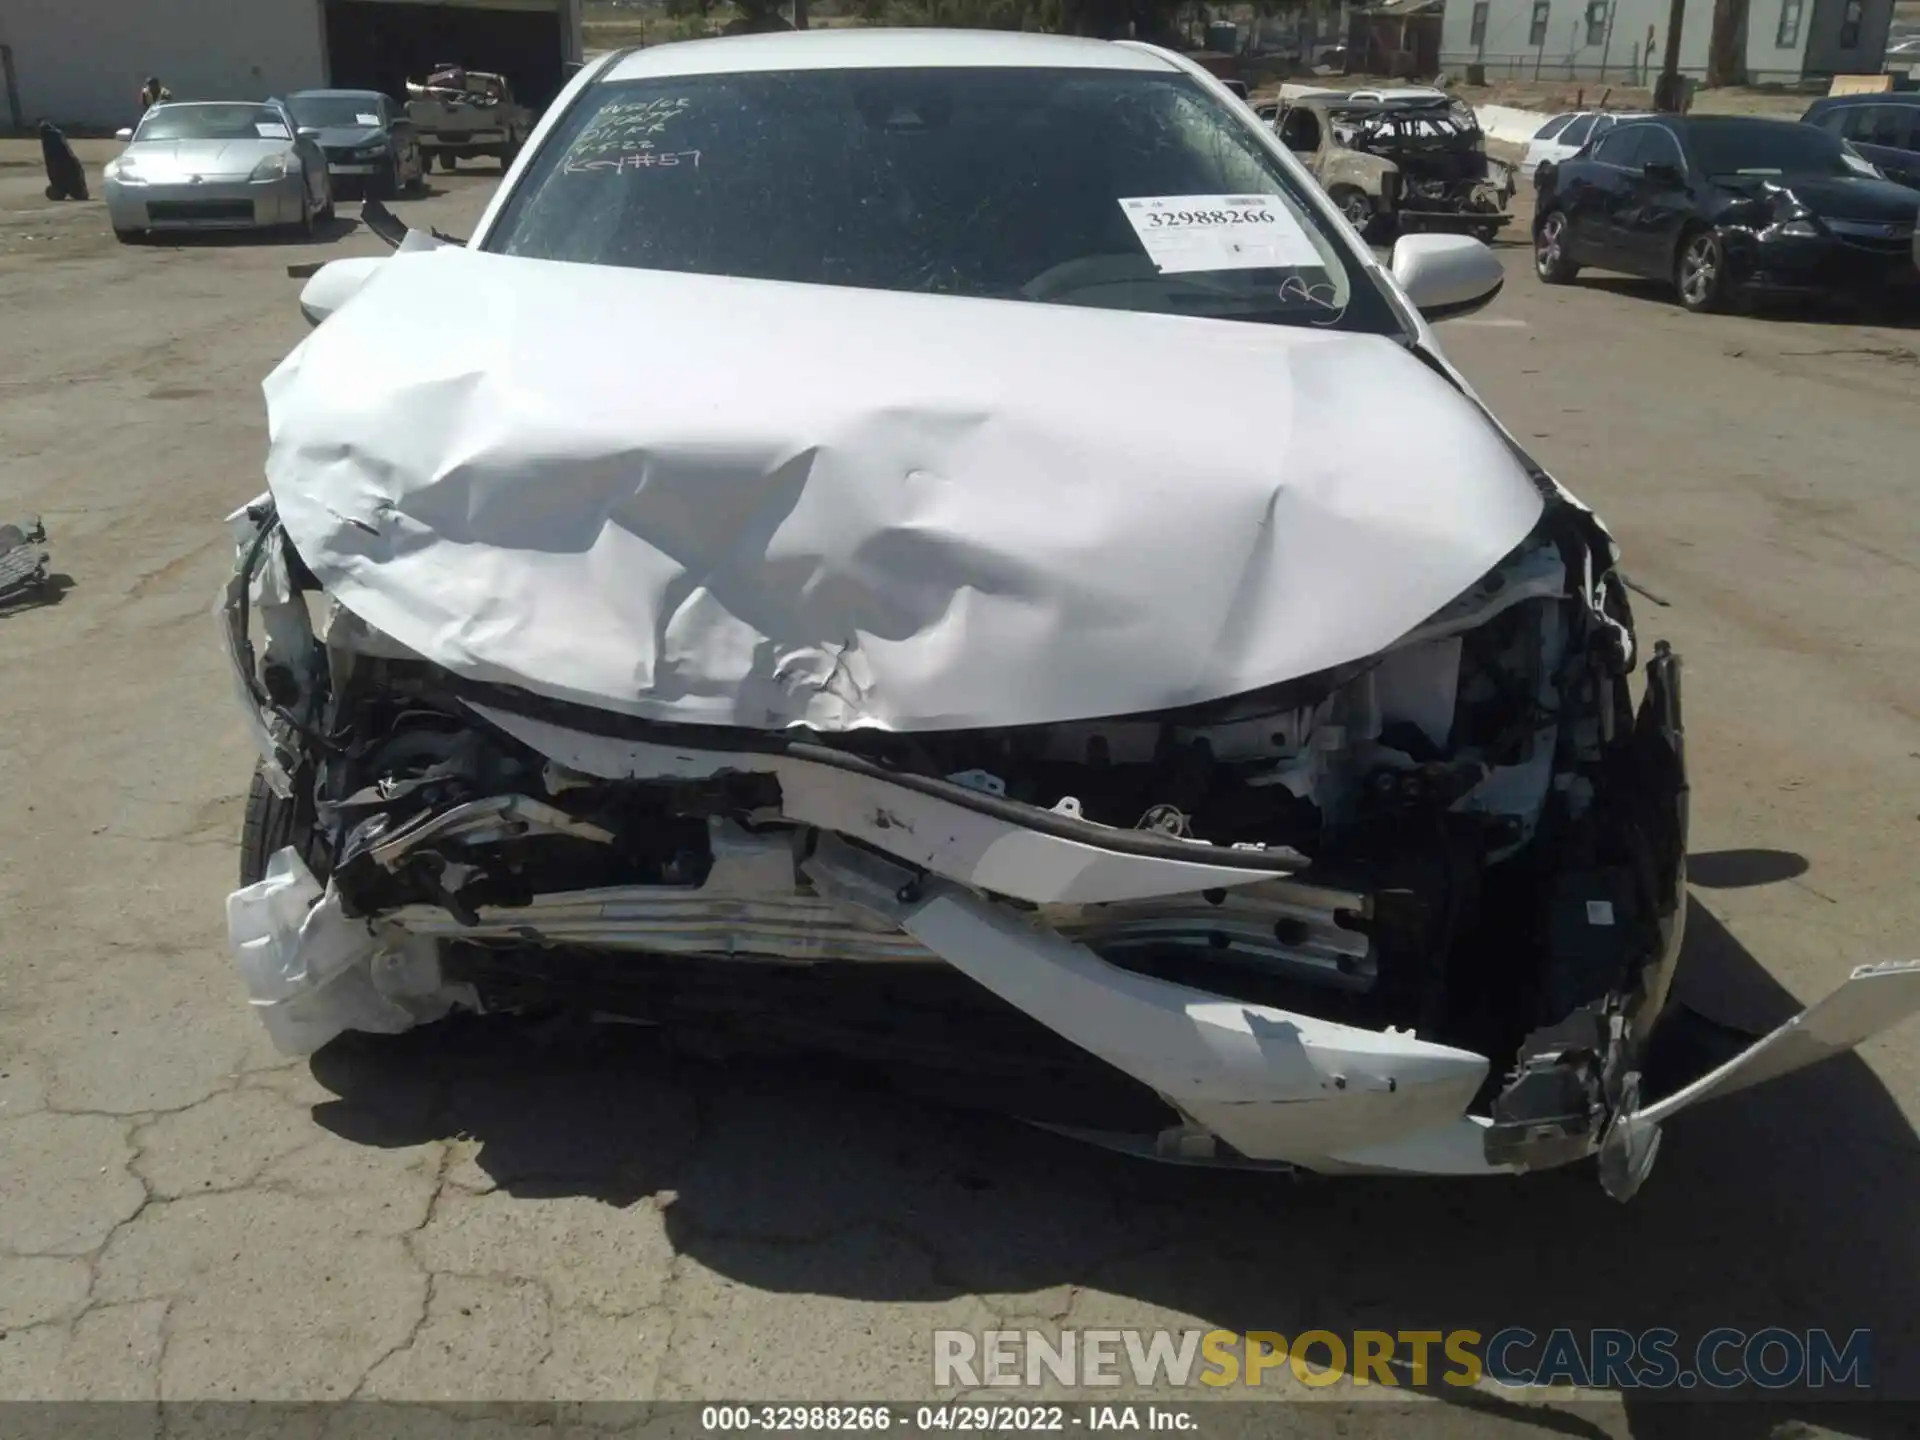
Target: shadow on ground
(1880,310)
(1790,1205)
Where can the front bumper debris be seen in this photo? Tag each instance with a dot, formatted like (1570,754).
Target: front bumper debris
(783,854)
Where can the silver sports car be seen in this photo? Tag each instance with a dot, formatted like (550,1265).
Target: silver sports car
(229,165)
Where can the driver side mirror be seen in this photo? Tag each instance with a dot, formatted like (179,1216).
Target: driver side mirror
(307,132)
(1662,172)
(123,135)
(1446,275)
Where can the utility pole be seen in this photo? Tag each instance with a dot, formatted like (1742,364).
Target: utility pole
(1666,94)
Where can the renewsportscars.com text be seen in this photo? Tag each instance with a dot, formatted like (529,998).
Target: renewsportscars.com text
(1772,1358)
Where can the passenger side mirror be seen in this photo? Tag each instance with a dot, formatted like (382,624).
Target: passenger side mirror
(1661,172)
(1446,275)
(335,283)
(123,135)
(307,132)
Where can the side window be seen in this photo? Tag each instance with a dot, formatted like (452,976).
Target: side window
(1657,147)
(1621,147)
(1542,11)
(1553,127)
(1300,131)
(1576,134)
(1887,125)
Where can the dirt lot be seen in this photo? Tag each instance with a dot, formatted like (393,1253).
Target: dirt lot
(185,1215)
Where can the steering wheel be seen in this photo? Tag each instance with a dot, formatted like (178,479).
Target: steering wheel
(1088,272)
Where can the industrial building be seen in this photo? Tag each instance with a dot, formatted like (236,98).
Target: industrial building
(1767,41)
(80,63)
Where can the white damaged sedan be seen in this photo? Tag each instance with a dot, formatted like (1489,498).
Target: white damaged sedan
(947,548)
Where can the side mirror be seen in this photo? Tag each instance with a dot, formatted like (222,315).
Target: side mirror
(123,135)
(1446,275)
(307,132)
(1661,172)
(335,283)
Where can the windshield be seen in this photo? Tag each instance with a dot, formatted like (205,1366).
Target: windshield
(1766,147)
(213,122)
(1120,189)
(330,112)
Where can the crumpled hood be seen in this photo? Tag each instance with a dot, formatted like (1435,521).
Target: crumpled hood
(758,504)
(1844,197)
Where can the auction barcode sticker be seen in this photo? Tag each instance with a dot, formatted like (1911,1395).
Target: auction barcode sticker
(1219,232)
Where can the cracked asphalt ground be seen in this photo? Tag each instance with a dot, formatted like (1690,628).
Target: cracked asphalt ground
(483,1213)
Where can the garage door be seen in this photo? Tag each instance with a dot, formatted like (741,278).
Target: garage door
(382,44)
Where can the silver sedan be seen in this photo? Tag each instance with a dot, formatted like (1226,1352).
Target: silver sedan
(229,165)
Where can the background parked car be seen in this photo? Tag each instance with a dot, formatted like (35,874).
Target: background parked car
(367,138)
(219,165)
(1719,204)
(1883,128)
(1564,136)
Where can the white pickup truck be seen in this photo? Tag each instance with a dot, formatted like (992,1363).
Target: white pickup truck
(459,114)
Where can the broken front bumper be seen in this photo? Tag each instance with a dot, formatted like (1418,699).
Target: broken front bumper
(885,870)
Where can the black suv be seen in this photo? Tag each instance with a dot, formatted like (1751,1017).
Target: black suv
(1883,128)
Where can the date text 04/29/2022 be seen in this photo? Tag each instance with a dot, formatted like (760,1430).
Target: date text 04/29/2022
(966,1418)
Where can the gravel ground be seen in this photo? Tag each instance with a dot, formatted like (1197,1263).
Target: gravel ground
(184,1215)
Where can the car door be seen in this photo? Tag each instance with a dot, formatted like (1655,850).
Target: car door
(1584,191)
(1656,201)
(1299,130)
(1615,165)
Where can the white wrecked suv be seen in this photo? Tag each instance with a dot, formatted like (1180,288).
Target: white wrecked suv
(947,548)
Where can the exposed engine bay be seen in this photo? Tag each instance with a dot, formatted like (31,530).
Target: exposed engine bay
(1472,841)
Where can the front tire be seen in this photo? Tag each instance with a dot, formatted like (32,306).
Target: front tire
(1700,272)
(1356,205)
(271,824)
(1551,262)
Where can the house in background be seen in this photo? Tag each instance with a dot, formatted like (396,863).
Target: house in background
(1396,38)
(1771,41)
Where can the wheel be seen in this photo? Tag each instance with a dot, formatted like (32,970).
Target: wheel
(447,161)
(1700,272)
(386,185)
(128,237)
(1358,208)
(1486,234)
(1356,205)
(1550,259)
(54,192)
(273,824)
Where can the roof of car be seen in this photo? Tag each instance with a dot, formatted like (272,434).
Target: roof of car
(336,95)
(881,49)
(1885,97)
